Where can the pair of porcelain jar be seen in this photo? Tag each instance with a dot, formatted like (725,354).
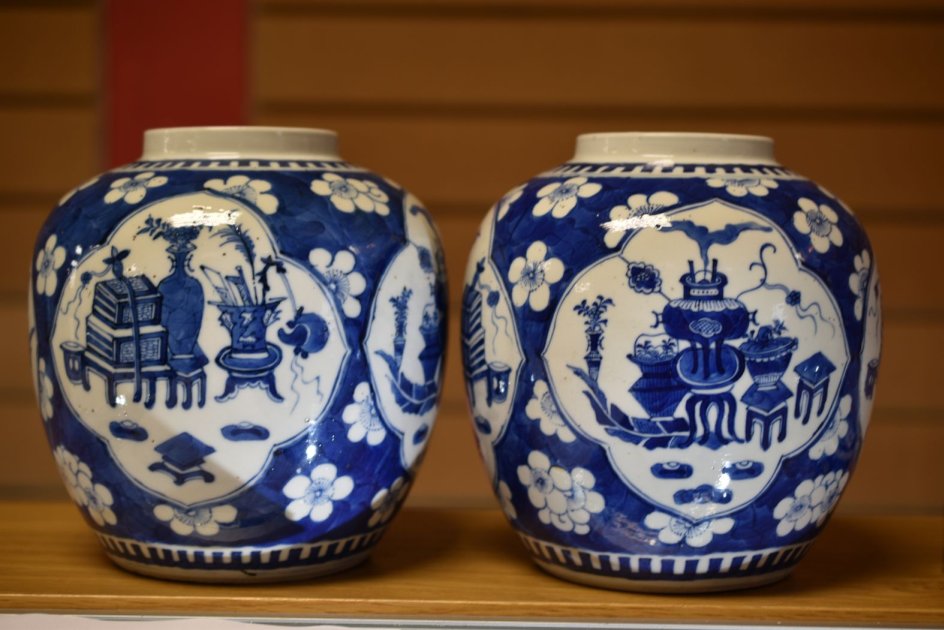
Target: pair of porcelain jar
(670,347)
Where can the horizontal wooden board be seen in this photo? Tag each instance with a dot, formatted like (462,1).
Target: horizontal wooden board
(26,463)
(815,9)
(21,223)
(46,151)
(459,161)
(50,50)
(595,60)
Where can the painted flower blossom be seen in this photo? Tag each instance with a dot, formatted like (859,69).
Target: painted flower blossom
(133,190)
(338,272)
(542,408)
(833,484)
(640,211)
(859,280)
(94,497)
(742,186)
(255,191)
(559,198)
(819,221)
(673,530)
(314,495)
(508,199)
(44,390)
(48,262)
(837,429)
(582,501)
(362,417)
(564,499)
(69,467)
(532,276)
(798,511)
(643,278)
(385,502)
(348,194)
(205,521)
(504,495)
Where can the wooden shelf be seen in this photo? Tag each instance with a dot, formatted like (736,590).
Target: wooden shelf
(446,564)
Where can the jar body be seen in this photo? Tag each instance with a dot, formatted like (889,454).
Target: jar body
(688,352)
(213,351)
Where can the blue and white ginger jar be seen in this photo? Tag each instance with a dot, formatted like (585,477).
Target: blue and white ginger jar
(237,345)
(670,347)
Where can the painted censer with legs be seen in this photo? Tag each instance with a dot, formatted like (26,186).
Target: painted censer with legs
(237,344)
(688,337)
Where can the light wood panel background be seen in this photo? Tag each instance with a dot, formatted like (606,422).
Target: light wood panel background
(460,101)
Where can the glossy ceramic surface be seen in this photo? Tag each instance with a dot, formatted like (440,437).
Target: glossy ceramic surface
(670,347)
(238,344)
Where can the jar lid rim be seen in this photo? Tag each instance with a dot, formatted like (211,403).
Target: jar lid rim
(235,141)
(674,147)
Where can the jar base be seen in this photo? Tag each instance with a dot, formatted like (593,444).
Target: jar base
(233,565)
(700,585)
(241,576)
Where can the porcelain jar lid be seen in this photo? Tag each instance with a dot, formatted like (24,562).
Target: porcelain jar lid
(674,148)
(224,143)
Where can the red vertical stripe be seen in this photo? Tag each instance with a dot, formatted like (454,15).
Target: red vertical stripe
(172,63)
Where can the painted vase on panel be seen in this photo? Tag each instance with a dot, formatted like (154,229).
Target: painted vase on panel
(238,360)
(690,336)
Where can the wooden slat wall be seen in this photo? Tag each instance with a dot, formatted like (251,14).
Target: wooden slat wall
(49,122)
(460,101)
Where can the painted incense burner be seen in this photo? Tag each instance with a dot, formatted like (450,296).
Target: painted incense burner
(688,337)
(237,343)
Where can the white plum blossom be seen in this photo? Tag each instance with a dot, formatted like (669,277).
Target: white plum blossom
(255,191)
(205,521)
(338,271)
(48,262)
(314,495)
(673,530)
(564,499)
(69,467)
(532,276)
(508,199)
(559,198)
(542,408)
(504,495)
(582,501)
(544,491)
(348,194)
(796,512)
(742,186)
(94,497)
(819,221)
(859,280)
(385,502)
(363,418)
(44,390)
(837,429)
(833,484)
(640,211)
(133,190)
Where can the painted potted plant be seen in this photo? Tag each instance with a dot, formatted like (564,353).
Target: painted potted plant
(767,353)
